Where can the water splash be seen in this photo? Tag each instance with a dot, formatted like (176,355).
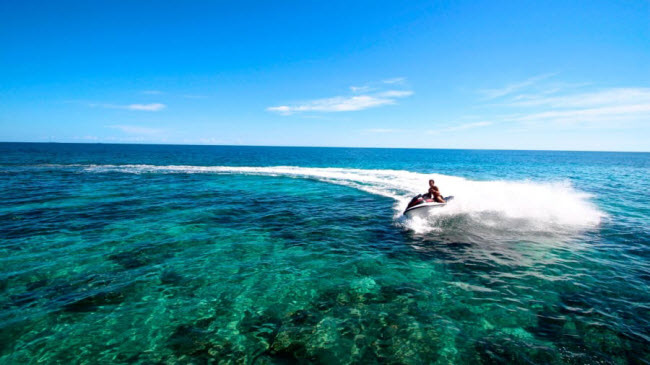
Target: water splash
(498,205)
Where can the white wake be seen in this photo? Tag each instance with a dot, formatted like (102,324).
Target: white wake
(501,204)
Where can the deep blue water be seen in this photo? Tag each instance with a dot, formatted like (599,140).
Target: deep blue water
(200,254)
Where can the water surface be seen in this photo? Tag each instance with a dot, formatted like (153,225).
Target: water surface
(192,254)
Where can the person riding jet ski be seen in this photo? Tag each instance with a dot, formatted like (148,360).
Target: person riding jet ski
(434,193)
(432,198)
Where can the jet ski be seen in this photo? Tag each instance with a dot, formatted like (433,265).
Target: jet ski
(420,206)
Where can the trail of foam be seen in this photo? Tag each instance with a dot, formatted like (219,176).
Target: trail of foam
(515,205)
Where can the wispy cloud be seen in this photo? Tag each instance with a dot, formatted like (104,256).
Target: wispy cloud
(606,114)
(598,98)
(394,80)
(335,104)
(153,107)
(146,107)
(138,130)
(395,94)
(544,103)
(514,87)
(361,89)
(605,106)
(354,102)
(546,89)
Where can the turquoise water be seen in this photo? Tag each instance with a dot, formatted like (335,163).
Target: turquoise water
(188,254)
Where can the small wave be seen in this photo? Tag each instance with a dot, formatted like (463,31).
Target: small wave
(497,204)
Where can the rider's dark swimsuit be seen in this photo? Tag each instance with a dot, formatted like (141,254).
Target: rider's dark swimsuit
(435,195)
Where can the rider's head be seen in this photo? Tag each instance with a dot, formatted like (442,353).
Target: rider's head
(432,183)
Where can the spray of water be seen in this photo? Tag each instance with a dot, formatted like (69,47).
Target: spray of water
(497,205)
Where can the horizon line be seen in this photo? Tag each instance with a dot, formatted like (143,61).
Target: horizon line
(299,146)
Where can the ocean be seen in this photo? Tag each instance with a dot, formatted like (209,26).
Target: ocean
(231,254)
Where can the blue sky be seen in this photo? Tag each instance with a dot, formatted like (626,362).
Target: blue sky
(464,74)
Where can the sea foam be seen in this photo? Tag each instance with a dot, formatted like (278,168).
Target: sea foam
(497,204)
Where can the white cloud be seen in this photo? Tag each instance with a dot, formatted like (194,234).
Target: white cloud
(610,97)
(361,89)
(335,104)
(394,80)
(153,107)
(138,130)
(603,107)
(355,102)
(549,89)
(511,88)
(544,104)
(395,94)
(340,103)
(374,86)
(591,115)
(282,109)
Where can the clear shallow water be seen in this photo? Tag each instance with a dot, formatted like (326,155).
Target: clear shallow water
(182,254)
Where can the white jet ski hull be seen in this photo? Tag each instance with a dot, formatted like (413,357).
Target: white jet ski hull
(422,210)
